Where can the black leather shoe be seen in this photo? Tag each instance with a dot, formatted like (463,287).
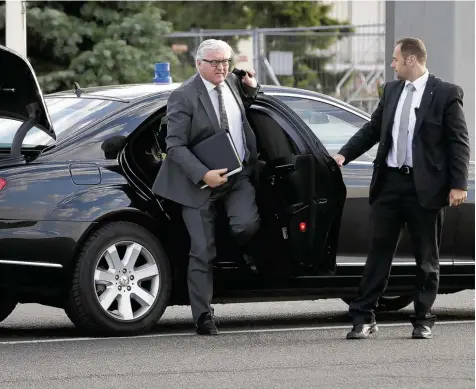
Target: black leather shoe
(421,332)
(362,331)
(206,325)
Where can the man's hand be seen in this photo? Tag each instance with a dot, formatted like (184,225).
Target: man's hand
(339,159)
(250,81)
(213,178)
(457,197)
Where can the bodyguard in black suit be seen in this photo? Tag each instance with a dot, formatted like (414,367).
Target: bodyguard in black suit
(421,167)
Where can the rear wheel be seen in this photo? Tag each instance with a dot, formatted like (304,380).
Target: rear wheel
(121,281)
(7,305)
(389,303)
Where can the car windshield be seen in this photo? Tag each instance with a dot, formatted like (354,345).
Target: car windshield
(67,114)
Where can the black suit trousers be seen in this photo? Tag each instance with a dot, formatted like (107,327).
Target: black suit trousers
(394,207)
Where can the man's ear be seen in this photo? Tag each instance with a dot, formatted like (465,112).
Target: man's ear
(411,60)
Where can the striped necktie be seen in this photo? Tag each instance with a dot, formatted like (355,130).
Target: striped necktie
(224,120)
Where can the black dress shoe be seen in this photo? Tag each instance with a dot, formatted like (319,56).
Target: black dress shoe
(362,331)
(206,325)
(421,332)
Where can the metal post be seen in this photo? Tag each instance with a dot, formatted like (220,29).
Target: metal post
(389,38)
(256,54)
(262,55)
(15,26)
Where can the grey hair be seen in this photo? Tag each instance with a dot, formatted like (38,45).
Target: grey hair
(212,45)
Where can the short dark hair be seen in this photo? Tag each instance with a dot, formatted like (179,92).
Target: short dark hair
(413,46)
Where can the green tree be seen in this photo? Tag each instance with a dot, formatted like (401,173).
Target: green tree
(94,43)
(309,66)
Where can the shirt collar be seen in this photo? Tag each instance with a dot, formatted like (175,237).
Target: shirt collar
(209,85)
(420,82)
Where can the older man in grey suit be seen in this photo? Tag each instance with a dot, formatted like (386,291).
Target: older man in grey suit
(212,100)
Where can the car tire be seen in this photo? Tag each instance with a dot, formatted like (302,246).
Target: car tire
(389,303)
(7,306)
(84,307)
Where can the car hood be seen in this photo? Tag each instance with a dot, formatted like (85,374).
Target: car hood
(20,94)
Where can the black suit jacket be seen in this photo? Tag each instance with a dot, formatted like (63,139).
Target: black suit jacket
(440,149)
(191,119)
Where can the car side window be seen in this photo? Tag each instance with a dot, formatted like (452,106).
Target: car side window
(333,125)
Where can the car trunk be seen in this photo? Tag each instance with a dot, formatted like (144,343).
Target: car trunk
(21,100)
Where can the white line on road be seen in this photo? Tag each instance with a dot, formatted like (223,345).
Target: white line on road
(223,332)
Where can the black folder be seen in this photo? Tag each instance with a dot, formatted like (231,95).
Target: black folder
(218,152)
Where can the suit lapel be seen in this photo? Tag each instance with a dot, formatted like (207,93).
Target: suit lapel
(206,102)
(426,100)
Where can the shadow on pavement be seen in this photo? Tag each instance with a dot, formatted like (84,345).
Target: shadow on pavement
(228,323)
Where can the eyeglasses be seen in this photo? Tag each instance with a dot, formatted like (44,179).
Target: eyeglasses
(216,62)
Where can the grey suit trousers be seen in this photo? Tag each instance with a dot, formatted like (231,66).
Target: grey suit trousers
(238,195)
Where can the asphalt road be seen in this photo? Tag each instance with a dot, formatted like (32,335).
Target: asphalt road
(266,345)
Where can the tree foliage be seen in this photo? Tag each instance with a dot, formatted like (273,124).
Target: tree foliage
(94,43)
(115,42)
(187,15)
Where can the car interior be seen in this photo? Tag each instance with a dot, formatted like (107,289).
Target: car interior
(148,147)
(280,188)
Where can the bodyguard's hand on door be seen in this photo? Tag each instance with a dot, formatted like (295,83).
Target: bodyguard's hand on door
(339,159)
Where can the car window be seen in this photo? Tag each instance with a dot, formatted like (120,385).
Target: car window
(334,126)
(67,115)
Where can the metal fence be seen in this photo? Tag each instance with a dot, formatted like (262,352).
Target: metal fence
(342,61)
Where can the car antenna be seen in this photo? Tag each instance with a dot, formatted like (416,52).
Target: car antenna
(77,89)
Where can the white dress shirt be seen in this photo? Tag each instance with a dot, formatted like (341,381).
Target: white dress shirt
(233,112)
(419,85)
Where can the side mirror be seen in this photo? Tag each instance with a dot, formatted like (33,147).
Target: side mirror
(112,146)
(318,118)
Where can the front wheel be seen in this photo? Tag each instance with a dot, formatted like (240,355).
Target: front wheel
(389,303)
(121,281)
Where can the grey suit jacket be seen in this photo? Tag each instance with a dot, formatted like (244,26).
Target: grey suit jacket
(191,118)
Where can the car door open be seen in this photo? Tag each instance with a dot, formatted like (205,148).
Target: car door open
(300,192)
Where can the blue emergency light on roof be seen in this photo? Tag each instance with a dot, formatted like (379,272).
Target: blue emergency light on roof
(162,73)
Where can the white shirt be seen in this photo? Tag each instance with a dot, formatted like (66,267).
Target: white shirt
(419,85)
(233,113)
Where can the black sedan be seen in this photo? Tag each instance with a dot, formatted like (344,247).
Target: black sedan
(80,228)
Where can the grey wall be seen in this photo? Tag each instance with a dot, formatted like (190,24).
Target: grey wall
(447,28)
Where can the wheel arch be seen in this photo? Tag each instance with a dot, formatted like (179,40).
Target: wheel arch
(153,225)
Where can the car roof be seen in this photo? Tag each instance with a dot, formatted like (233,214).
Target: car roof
(126,92)
(136,92)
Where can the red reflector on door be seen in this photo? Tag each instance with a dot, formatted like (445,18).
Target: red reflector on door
(302,227)
(3,183)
